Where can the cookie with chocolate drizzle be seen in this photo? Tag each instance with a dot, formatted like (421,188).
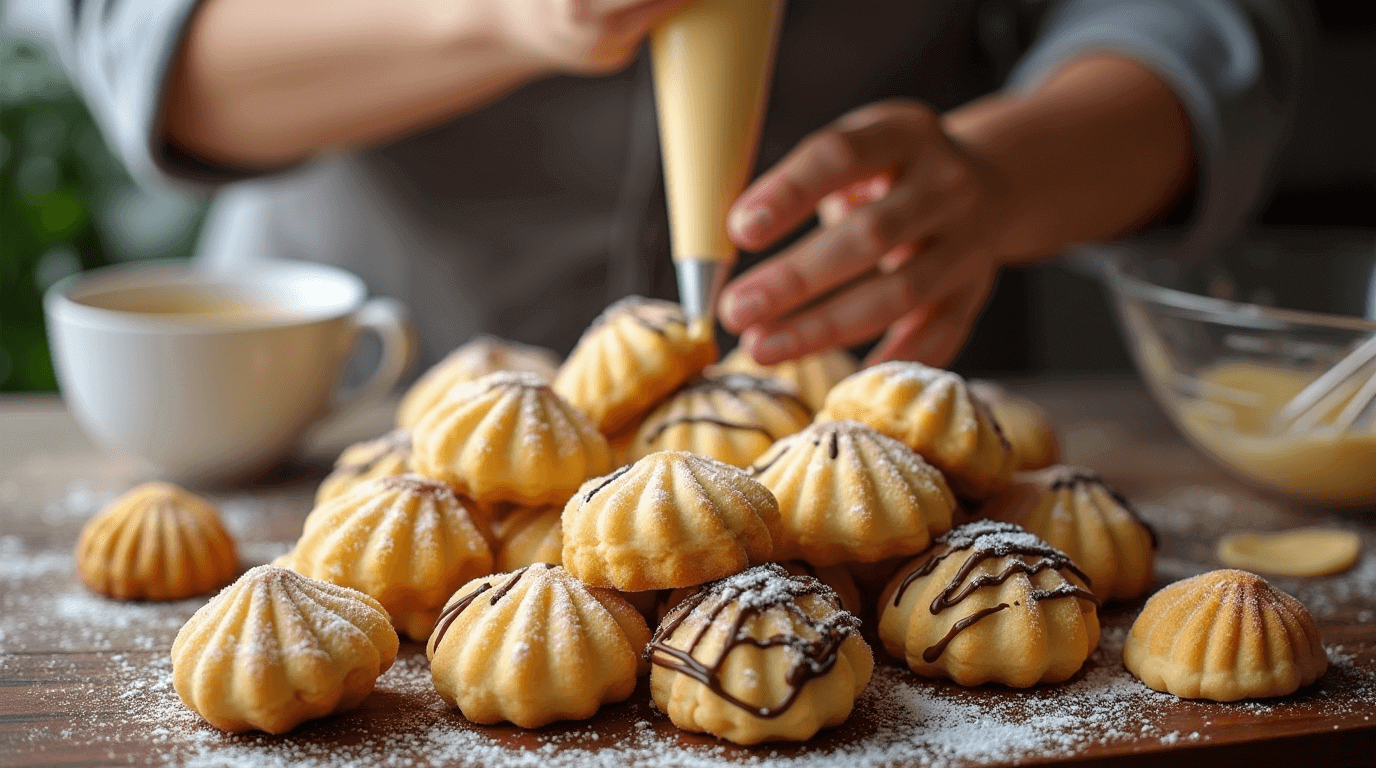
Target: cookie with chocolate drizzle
(850,494)
(990,602)
(636,352)
(535,646)
(759,656)
(1075,511)
(812,375)
(472,360)
(732,418)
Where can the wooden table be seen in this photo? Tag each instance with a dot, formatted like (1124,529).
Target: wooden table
(85,681)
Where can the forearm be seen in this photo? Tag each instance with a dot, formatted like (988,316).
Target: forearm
(263,83)
(1099,149)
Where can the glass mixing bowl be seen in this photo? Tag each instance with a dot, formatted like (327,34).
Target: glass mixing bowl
(1225,342)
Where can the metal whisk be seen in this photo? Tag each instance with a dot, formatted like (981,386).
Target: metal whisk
(1308,408)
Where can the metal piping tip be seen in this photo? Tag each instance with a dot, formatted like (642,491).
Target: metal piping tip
(699,283)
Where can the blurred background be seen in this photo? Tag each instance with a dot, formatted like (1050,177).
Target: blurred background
(67,205)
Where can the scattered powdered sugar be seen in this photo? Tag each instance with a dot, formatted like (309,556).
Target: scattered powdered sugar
(900,719)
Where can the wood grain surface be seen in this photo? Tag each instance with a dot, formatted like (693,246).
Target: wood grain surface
(84,680)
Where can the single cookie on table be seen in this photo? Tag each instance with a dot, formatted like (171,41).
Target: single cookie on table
(933,413)
(156,542)
(529,535)
(384,456)
(535,646)
(507,437)
(633,355)
(812,375)
(672,519)
(732,418)
(473,360)
(990,602)
(759,656)
(1224,635)
(1024,423)
(407,541)
(1073,510)
(276,649)
(850,494)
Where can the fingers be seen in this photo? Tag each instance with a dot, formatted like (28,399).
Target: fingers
(637,16)
(934,334)
(848,151)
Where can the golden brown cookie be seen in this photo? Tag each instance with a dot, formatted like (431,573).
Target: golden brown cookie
(931,411)
(276,649)
(471,361)
(850,494)
(1224,635)
(381,457)
(1073,510)
(759,656)
(990,602)
(406,541)
(731,418)
(637,352)
(1024,423)
(672,519)
(812,375)
(156,542)
(507,437)
(535,646)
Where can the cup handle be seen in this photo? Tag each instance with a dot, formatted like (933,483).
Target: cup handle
(389,319)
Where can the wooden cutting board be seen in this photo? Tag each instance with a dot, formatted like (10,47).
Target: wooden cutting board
(85,680)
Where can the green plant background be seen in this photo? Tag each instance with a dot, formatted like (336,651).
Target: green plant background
(66,204)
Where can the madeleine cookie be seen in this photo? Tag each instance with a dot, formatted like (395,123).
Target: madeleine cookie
(156,542)
(1224,635)
(635,353)
(990,602)
(406,541)
(507,437)
(276,649)
(931,411)
(385,456)
(812,375)
(759,656)
(672,519)
(1024,423)
(535,646)
(473,360)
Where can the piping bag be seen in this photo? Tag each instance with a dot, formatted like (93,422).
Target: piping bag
(712,64)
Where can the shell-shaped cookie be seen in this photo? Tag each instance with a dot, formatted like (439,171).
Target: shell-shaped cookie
(732,418)
(275,649)
(1023,422)
(385,456)
(1074,511)
(470,361)
(812,375)
(672,519)
(529,535)
(635,353)
(850,494)
(990,602)
(535,646)
(156,542)
(508,437)
(407,541)
(1224,635)
(930,410)
(759,656)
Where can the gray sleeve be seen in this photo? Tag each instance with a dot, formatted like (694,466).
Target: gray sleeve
(1235,66)
(118,54)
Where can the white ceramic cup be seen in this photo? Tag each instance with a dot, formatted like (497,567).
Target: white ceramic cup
(210,402)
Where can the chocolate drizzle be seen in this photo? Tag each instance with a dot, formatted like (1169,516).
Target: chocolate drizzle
(606,481)
(754,592)
(984,540)
(826,431)
(733,385)
(451,612)
(637,308)
(660,429)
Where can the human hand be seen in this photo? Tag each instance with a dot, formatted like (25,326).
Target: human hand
(906,245)
(584,36)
